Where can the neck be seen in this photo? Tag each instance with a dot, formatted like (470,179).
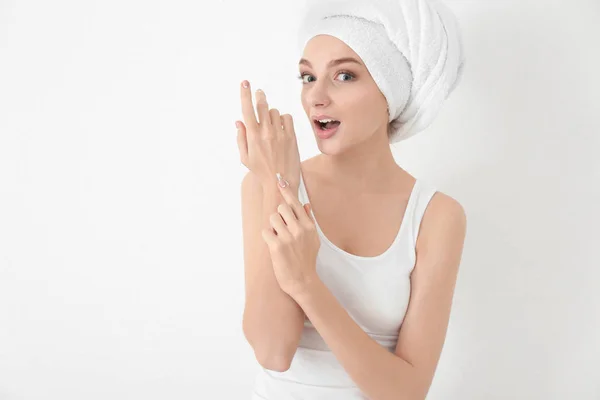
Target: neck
(366,166)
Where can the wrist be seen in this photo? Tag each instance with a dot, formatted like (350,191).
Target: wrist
(308,289)
(272,187)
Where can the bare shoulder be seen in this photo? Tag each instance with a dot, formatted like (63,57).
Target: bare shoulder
(447,207)
(439,250)
(444,223)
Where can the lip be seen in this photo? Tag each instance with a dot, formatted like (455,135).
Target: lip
(323,116)
(324,134)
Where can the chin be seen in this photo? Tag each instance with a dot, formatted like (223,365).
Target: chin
(333,146)
(329,150)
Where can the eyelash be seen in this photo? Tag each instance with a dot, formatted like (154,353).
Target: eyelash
(301,76)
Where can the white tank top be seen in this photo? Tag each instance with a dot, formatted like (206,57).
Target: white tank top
(375,292)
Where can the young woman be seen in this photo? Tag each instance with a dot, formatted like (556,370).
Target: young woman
(351,263)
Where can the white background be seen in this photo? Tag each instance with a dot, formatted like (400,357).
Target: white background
(121,270)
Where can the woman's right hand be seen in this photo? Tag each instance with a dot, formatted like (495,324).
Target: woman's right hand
(267,145)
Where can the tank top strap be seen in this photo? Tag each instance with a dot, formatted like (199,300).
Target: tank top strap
(422,198)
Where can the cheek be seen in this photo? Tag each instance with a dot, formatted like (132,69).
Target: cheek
(354,104)
(303,97)
(303,102)
(364,108)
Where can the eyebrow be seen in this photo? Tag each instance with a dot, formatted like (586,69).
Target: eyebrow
(332,62)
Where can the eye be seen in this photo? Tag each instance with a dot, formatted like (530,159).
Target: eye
(348,74)
(351,75)
(301,77)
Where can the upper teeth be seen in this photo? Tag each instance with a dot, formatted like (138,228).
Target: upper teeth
(324,121)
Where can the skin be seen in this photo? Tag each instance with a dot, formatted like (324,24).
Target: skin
(357,166)
(358,156)
(356,169)
(356,175)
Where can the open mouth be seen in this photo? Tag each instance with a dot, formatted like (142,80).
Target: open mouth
(325,126)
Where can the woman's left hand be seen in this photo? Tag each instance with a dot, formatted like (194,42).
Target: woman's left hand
(293,243)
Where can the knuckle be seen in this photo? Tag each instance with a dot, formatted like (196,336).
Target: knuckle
(268,135)
(304,230)
(310,227)
(266,131)
(296,232)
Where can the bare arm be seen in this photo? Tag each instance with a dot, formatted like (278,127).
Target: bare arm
(406,373)
(272,321)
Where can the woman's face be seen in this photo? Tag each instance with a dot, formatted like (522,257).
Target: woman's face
(344,91)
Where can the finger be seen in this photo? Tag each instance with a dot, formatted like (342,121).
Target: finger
(288,124)
(276,121)
(262,107)
(268,236)
(308,209)
(292,200)
(288,216)
(247,107)
(286,212)
(242,142)
(279,226)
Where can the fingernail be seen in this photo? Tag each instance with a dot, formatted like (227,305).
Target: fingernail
(237,125)
(245,84)
(282,182)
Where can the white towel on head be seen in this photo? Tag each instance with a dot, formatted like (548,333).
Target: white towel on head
(425,55)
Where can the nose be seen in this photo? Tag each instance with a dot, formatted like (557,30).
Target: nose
(318,94)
